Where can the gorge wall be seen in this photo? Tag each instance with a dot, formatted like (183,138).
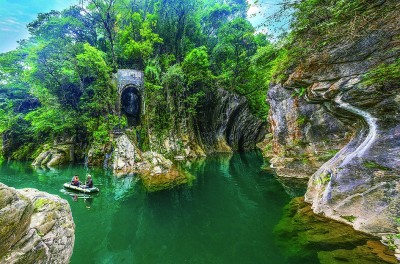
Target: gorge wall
(224,124)
(329,122)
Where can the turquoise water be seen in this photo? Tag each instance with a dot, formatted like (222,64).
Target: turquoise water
(227,215)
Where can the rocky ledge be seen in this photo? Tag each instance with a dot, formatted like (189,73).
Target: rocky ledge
(35,227)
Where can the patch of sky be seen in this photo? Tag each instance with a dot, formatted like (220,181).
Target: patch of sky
(261,15)
(16,14)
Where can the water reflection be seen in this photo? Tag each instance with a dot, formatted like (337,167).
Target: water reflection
(294,187)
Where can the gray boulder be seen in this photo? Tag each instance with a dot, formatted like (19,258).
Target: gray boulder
(35,227)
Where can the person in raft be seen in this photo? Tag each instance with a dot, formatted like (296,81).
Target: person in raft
(89,181)
(75,181)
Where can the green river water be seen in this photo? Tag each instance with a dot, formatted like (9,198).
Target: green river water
(227,215)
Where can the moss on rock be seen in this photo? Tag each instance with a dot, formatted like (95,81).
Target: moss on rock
(302,234)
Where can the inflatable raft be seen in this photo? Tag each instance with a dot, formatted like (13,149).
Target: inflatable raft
(71,187)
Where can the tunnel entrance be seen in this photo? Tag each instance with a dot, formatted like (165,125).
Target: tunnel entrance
(131,105)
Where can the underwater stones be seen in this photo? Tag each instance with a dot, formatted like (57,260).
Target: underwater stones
(165,180)
(41,226)
(303,234)
(359,255)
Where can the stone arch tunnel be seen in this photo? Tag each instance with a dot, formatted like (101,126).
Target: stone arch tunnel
(130,94)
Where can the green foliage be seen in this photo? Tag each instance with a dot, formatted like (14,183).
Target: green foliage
(349,218)
(235,47)
(52,121)
(244,64)
(323,178)
(174,78)
(101,127)
(383,74)
(301,119)
(58,83)
(196,68)
(7,118)
(373,165)
(40,203)
(152,71)
(318,24)
(100,94)
(324,20)
(137,38)
(299,92)
(327,155)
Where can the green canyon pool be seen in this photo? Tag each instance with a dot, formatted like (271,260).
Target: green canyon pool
(233,212)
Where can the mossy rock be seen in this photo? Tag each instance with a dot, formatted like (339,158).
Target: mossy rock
(301,233)
(372,252)
(40,203)
(14,219)
(162,181)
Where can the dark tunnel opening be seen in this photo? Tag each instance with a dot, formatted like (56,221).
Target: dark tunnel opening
(131,105)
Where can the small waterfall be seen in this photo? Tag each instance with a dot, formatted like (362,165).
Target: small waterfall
(132,103)
(106,159)
(86,161)
(372,129)
(328,169)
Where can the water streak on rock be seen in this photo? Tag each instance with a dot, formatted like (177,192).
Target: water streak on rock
(372,129)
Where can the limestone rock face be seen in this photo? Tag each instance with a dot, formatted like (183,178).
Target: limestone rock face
(303,136)
(128,159)
(57,155)
(36,227)
(361,181)
(62,151)
(227,124)
(180,145)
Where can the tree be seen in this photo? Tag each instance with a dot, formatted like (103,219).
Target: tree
(198,77)
(137,39)
(99,94)
(104,13)
(231,57)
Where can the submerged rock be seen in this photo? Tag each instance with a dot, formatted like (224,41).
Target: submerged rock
(165,180)
(305,235)
(35,227)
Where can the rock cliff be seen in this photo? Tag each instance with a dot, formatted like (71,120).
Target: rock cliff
(330,108)
(224,124)
(35,227)
(227,124)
